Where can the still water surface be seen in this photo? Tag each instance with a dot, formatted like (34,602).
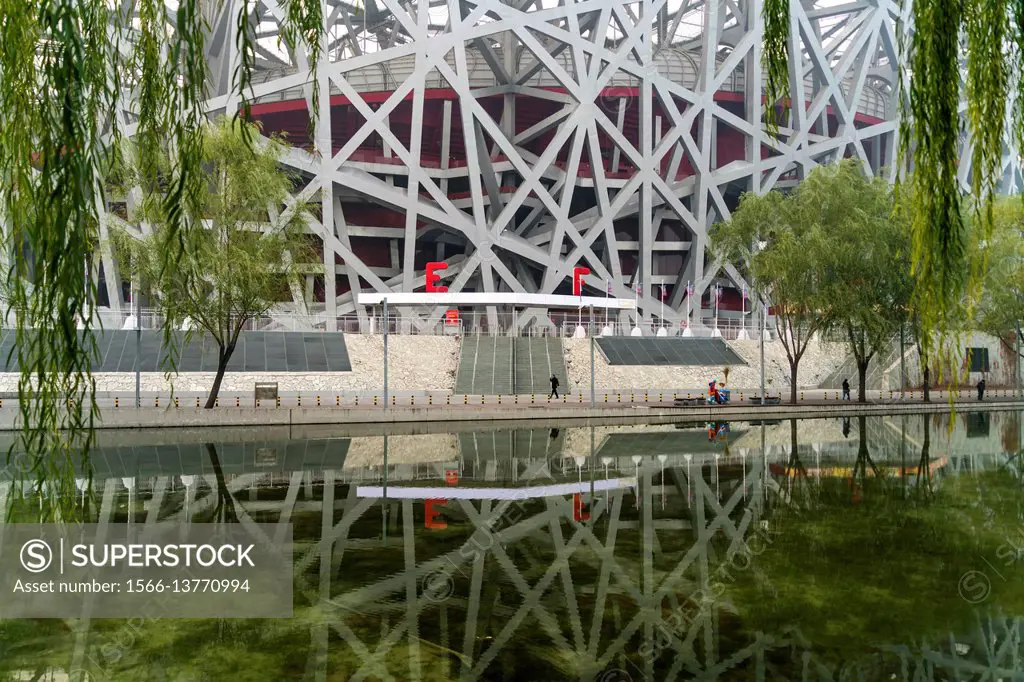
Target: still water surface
(867,549)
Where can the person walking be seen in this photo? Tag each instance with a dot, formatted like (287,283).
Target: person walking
(846,389)
(554,387)
(981,390)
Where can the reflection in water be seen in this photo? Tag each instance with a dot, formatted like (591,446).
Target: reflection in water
(718,431)
(641,552)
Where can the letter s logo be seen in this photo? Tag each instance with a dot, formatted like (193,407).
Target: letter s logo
(36,556)
(433,278)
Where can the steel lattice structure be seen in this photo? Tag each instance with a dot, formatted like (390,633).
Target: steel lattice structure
(516,140)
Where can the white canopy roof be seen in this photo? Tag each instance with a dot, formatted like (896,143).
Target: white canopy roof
(400,492)
(504,298)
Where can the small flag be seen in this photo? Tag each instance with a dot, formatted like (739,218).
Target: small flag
(689,289)
(718,293)
(745,296)
(663,292)
(609,283)
(638,287)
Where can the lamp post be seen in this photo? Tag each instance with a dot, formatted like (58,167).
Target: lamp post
(1016,364)
(593,395)
(138,345)
(764,326)
(662,306)
(689,298)
(607,295)
(718,296)
(386,325)
(743,315)
(903,372)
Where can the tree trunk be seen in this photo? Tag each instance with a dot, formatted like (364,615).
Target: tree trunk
(222,364)
(792,380)
(796,467)
(225,511)
(927,395)
(861,464)
(862,378)
(924,466)
(864,452)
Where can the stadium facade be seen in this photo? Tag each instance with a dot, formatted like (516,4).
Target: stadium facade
(515,141)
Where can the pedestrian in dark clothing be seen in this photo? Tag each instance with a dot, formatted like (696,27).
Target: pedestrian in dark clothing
(554,387)
(846,389)
(981,390)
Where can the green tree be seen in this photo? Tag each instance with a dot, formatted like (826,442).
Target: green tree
(936,345)
(780,238)
(867,260)
(1002,307)
(66,68)
(951,51)
(244,259)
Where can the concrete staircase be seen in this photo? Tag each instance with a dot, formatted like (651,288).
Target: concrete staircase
(485,366)
(501,447)
(535,361)
(883,370)
(493,365)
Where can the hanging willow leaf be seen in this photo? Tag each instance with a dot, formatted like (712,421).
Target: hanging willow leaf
(54,71)
(304,23)
(775,57)
(151,79)
(938,41)
(1017,71)
(68,69)
(183,200)
(245,42)
(933,146)
(987,25)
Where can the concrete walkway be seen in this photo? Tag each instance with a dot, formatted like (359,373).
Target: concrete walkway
(636,406)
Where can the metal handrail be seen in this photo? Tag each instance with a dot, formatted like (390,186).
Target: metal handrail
(473,322)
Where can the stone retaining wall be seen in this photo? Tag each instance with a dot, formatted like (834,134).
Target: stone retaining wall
(415,363)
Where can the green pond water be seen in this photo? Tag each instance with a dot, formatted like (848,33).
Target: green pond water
(882,548)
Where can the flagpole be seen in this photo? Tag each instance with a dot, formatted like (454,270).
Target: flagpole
(689,300)
(743,314)
(718,296)
(662,306)
(607,295)
(636,301)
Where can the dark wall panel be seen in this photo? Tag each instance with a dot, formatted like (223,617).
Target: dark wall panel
(633,351)
(255,352)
